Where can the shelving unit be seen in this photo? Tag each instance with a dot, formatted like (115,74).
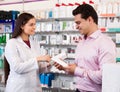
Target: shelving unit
(2,87)
(57,32)
(60,33)
(55,19)
(48,45)
(66,85)
(12,22)
(7,27)
(57,36)
(110,31)
(56,90)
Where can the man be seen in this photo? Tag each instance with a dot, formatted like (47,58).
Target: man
(92,52)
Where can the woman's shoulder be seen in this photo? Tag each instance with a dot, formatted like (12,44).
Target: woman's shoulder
(11,41)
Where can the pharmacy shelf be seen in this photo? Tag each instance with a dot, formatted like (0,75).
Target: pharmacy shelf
(64,74)
(55,19)
(2,84)
(111,32)
(2,87)
(46,89)
(58,45)
(46,20)
(117,59)
(53,32)
(59,89)
(6,21)
(60,73)
(6,33)
(118,44)
(64,19)
(108,15)
(73,31)
(2,44)
(115,30)
(3,39)
(72,19)
(12,22)
(57,85)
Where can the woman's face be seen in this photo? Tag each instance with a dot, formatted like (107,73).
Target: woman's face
(29,27)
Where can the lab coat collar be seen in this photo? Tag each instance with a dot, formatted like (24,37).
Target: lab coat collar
(20,40)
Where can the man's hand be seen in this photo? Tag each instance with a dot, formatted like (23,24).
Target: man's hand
(71,68)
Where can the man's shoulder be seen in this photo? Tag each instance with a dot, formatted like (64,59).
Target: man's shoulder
(105,41)
(104,37)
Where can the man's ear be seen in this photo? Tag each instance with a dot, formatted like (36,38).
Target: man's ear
(90,19)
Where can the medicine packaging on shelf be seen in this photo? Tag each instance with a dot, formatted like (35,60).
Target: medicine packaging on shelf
(2,27)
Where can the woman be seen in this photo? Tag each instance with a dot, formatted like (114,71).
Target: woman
(23,56)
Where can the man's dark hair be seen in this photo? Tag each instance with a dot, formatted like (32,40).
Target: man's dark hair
(86,11)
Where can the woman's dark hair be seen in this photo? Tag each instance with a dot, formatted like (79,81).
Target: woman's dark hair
(86,11)
(21,21)
(6,69)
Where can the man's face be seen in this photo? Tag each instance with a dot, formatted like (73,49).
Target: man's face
(81,24)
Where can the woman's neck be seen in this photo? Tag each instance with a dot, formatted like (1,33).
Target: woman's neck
(24,37)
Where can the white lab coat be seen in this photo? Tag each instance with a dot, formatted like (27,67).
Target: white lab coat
(24,68)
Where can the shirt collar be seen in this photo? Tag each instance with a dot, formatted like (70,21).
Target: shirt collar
(93,35)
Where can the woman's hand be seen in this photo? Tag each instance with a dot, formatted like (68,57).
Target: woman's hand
(44,58)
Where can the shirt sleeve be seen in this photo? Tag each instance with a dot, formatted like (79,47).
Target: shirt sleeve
(16,63)
(106,54)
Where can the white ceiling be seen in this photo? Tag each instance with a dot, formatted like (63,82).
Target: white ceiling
(14,1)
(9,1)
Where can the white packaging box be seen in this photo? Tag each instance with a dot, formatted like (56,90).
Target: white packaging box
(111,77)
(66,39)
(63,11)
(37,27)
(42,26)
(117,38)
(2,27)
(56,11)
(48,27)
(59,39)
(115,8)
(59,59)
(53,39)
(118,52)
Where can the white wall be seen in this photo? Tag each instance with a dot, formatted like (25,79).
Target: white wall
(41,5)
(30,6)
